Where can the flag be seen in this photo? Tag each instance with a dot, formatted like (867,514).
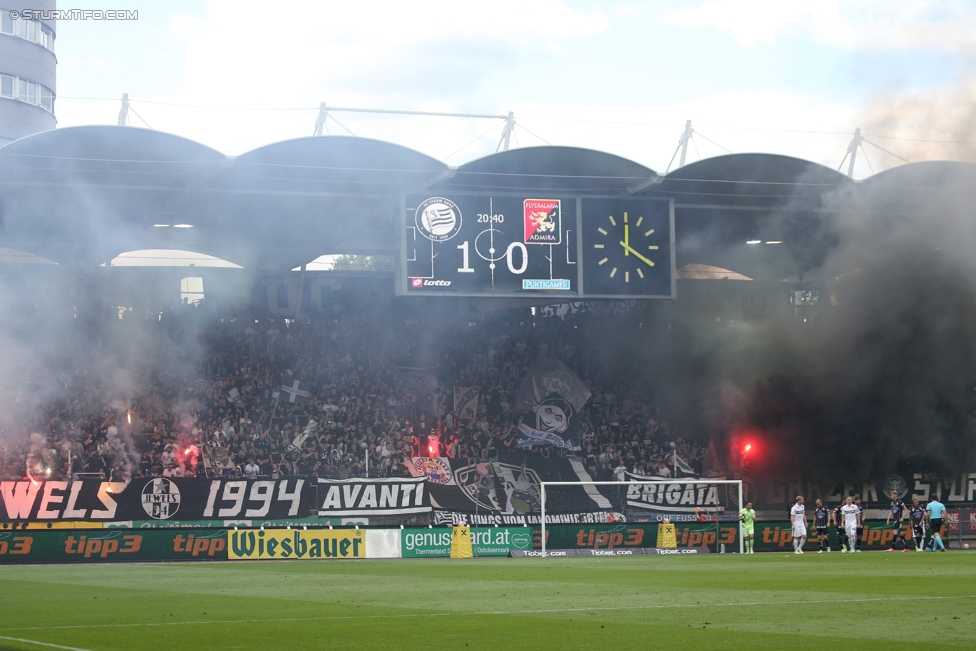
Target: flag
(295,392)
(546,377)
(680,465)
(234,396)
(550,398)
(466,402)
(713,465)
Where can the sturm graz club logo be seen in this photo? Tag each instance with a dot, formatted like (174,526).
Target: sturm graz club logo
(161,499)
(896,483)
(438,219)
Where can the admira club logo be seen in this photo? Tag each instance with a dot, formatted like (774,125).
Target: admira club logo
(438,219)
(161,499)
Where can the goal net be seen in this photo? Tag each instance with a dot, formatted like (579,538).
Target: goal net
(702,514)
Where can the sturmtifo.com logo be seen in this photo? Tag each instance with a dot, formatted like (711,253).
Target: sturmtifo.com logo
(161,499)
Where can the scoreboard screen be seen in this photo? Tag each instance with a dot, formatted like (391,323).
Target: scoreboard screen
(535,244)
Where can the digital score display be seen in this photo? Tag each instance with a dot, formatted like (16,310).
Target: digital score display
(537,244)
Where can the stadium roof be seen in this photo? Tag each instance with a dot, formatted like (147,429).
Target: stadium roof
(83,195)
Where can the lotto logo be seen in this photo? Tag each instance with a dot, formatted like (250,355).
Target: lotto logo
(416,282)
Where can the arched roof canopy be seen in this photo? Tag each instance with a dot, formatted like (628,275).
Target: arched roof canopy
(569,169)
(86,193)
(752,180)
(332,164)
(917,185)
(107,156)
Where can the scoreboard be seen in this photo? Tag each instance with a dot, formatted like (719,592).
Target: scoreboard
(535,244)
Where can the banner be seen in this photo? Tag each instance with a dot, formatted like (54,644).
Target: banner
(295,544)
(778,536)
(511,488)
(155,499)
(466,403)
(779,491)
(372,497)
(491,541)
(437,470)
(634,536)
(58,546)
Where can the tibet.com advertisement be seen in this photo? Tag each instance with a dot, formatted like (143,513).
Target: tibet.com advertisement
(435,543)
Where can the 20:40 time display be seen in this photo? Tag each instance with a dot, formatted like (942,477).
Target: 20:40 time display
(509,256)
(484,218)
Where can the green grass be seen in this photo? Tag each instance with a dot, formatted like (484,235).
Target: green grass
(776,601)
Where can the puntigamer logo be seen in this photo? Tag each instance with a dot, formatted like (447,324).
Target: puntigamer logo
(161,499)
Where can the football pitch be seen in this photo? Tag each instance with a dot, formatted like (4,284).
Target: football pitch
(873,600)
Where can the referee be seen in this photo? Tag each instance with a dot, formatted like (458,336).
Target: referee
(936,510)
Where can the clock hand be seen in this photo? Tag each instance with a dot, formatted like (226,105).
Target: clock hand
(627,248)
(626,238)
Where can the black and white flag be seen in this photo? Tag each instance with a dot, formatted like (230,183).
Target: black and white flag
(295,392)
(550,397)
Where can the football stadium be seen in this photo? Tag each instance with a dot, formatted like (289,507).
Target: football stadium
(334,392)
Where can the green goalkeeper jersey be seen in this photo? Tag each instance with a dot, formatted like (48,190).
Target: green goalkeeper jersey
(748,517)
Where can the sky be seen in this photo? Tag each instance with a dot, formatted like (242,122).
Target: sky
(792,78)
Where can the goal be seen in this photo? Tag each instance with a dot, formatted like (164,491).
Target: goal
(705,512)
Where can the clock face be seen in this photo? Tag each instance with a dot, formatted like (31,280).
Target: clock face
(626,248)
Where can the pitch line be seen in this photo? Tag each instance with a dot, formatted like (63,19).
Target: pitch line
(47,644)
(480,613)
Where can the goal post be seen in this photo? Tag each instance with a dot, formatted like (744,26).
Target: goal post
(684,501)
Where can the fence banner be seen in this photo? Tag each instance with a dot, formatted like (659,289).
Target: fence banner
(157,499)
(775,536)
(60,545)
(638,536)
(366,497)
(276,544)
(436,543)
(637,551)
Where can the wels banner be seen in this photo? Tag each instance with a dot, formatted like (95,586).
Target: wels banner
(494,541)
(58,546)
(157,499)
(295,544)
(366,497)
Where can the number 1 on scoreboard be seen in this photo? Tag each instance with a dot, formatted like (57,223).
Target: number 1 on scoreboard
(465,268)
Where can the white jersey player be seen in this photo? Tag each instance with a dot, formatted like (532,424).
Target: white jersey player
(851,514)
(798,516)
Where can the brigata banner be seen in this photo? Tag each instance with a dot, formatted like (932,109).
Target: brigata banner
(494,541)
(295,544)
(155,499)
(58,546)
(366,497)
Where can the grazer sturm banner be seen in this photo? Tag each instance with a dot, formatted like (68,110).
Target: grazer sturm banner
(157,498)
(490,541)
(247,544)
(111,545)
(366,497)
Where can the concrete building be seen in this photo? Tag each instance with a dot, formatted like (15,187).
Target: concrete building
(27,70)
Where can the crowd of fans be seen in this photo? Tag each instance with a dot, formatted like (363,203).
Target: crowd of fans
(207,399)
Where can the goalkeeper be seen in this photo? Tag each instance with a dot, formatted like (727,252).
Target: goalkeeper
(747,517)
